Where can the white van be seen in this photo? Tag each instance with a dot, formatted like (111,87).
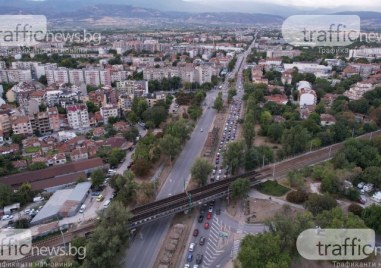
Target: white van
(82,209)
(107,203)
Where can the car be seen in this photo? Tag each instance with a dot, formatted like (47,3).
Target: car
(220,171)
(195,266)
(189,257)
(210,210)
(209,216)
(206,225)
(217,178)
(187,265)
(5,218)
(201,130)
(202,241)
(199,258)
(27,211)
(218,211)
(200,218)
(100,198)
(214,171)
(195,232)
(192,247)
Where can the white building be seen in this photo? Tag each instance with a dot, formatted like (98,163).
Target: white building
(78,116)
(92,77)
(109,111)
(317,69)
(307,96)
(76,76)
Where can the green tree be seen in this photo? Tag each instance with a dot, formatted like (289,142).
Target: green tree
(269,254)
(170,146)
(109,238)
(131,134)
(233,155)
(5,194)
(219,102)
(335,218)
(275,132)
(239,188)
(318,203)
(200,170)
(371,216)
(97,177)
(37,166)
(24,194)
(295,140)
(126,187)
(91,107)
(231,93)
(248,129)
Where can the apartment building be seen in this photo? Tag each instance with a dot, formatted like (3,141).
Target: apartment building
(40,123)
(21,125)
(132,87)
(54,118)
(76,76)
(109,111)
(5,123)
(78,116)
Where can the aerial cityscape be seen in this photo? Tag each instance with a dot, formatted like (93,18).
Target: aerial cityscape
(190,133)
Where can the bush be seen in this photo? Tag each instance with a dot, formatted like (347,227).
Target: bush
(355,209)
(296,197)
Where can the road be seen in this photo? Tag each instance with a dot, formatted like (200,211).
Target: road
(213,252)
(144,249)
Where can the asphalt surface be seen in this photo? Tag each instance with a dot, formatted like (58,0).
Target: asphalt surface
(145,247)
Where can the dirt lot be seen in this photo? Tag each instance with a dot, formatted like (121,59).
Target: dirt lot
(174,255)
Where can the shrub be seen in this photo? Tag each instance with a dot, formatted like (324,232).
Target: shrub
(296,197)
(355,209)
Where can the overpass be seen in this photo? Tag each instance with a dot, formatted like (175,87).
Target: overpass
(220,189)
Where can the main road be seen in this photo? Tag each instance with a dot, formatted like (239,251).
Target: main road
(144,249)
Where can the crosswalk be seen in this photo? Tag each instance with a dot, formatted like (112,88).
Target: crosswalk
(212,252)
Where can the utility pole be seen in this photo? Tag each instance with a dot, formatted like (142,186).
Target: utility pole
(274,170)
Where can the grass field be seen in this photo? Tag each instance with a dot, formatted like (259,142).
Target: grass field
(272,188)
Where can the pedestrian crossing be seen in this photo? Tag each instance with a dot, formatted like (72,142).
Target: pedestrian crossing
(212,252)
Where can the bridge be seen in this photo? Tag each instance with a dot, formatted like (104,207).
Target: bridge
(220,189)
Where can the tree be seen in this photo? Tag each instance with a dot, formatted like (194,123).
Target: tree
(239,188)
(116,156)
(288,226)
(231,93)
(297,197)
(295,140)
(318,203)
(43,80)
(233,155)
(170,146)
(266,118)
(356,209)
(17,138)
(372,175)
(156,114)
(91,107)
(335,218)
(24,194)
(37,166)
(268,254)
(5,194)
(141,167)
(139,106)
(200,170)
(248,128)
(109,237)
(219,102)
(131,134)
(22,223)
(275,132)
(371,216)
(296,179)
(97,177)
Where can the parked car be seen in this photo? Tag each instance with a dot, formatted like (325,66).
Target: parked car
(195,232)
(209,216)
(199,258)
(192,247)
(200,218)
(206,225)
(202,241)
(100,198)
(189,257)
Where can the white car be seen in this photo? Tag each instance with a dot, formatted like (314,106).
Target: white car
(192,247)
(27,211)
(5,217)
(220,171)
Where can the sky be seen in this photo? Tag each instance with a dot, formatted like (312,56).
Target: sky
(360,4)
